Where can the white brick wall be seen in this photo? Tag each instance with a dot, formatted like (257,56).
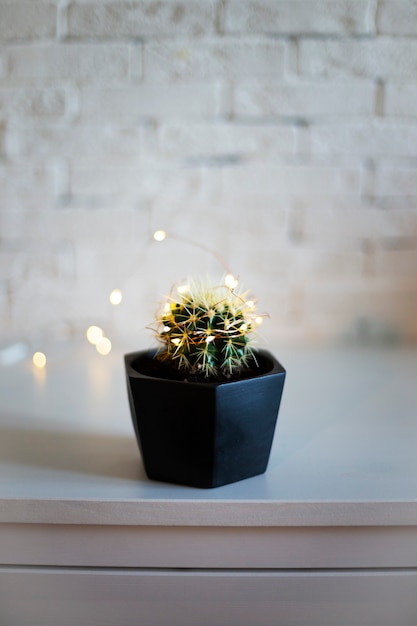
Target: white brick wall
(282,134)
(115,19)
(304,99)
(315,17)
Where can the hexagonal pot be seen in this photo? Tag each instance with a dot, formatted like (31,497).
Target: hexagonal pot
(203,434)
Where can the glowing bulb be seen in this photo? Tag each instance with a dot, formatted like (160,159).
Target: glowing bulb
(94,334)
(183,289)
(159,235)
(258,320)
(116,297)
(230,281)
(39,360)
(103,347)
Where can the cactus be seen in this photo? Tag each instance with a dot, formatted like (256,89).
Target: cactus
(204,329)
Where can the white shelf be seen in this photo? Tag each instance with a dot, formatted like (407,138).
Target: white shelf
(328,535)
(343,454)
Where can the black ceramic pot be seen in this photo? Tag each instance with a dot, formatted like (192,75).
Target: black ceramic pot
(204,434)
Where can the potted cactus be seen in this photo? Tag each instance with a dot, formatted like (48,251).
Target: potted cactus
(205,403)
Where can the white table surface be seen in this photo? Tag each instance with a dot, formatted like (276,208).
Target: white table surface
(344,453)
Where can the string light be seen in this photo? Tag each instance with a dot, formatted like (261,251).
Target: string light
(39,360)
(103,347)
(94,334)
(230,281)
(159,235)
(116,297)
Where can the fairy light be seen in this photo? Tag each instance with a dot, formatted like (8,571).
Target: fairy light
(39,360)
(103,347)
(94,334)
(230,281)
(159,235)
(116,297)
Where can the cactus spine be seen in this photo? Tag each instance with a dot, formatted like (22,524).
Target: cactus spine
(204,330)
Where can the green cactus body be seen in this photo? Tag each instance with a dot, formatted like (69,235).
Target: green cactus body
(204,330)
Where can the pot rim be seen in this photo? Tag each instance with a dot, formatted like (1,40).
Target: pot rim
(267,357)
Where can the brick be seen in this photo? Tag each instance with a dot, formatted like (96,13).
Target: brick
(103,179)
(141,19)
(397,18)
(42,305)
(303,99)
(227,58)
(92,62)
(317,263)
(347,201)
(73,140)
(27,20)
(400,99)
(32,102)
(74,225)
(385,308)
(392,202)
(368,140)
(397,263)
(23,258)
(296,17)
(224,144)
(375,58)
(214,226)
(88,176)
(395,181)
(105,232)
(292,180)
(395,226)
(132,102)
(25,179)
(335,230)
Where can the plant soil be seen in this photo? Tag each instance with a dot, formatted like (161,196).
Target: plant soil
(163,369)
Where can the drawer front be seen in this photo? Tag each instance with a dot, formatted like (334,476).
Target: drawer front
(58,545)
(70,597)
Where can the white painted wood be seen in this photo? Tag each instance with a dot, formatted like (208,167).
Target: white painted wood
(153,598)
(344,451)
(328,536)
(199,547)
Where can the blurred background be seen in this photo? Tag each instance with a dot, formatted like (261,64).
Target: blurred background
(280,134)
